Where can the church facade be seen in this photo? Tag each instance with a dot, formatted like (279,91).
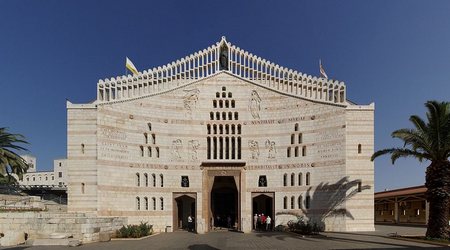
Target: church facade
(222,135)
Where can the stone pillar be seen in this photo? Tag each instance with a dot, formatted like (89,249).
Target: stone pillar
(396,215)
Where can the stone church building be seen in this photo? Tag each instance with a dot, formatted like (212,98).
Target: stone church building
(221,135)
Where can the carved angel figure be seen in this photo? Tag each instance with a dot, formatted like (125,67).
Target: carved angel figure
(255,104)
(190,99)
(177,145)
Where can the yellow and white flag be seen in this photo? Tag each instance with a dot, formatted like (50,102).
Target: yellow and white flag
(130,66)
(322,70)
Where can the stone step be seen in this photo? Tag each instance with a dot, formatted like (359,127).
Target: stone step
(54,242)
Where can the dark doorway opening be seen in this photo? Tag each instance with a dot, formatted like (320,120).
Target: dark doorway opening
(263,204)
(185,206)
(224,202)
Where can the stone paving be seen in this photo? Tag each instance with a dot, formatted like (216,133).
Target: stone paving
(261,240)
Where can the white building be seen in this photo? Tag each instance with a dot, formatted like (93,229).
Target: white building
(57,177)
(219,133)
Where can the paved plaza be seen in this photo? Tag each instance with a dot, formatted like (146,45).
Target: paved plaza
(261,240)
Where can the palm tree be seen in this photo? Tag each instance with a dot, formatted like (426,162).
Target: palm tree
(430,140)
(10,161)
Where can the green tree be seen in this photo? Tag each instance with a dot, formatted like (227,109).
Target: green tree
(10,161)
(430,141)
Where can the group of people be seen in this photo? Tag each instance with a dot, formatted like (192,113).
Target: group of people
(261,222)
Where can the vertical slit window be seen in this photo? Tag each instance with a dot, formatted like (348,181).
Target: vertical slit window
(146,179)
(285,180)
(239,129)
(233,105)
(82,187)
(211,115)
(236,117)
(154,180)
(233,148)
(300,138)
(296,127)
(145,138)
(157,152)
(82,148)
(220,129)
(239,147)
(224,116)
(215,147)
(208,128)
(296,151)
(227,148)
(304,151)
(149,125)
(307,202)
(300,177)
(285,202)
(217,115)
(288,152)
(138,203)
(162,203)
(292,139)
(138,180)
(142,150)
(230,116)
(300,201)
(208,142)
(161,177)
(215,129)
(308,179)
(292,179)
(146,203)
(359,149)
(221,148)
(214,103)
(292,202)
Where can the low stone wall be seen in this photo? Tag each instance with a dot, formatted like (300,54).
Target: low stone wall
(40,225)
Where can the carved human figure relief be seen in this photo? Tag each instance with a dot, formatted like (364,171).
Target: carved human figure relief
(193,147)
(271,149)
(177,146)
(190,100)
(254,104)
(254,148)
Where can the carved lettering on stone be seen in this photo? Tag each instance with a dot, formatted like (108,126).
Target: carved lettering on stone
(190,100)
(254,104)
(254,149)
(193,147)
(271,149)
(177,146)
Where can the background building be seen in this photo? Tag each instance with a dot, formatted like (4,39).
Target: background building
(57,177)
(222,133)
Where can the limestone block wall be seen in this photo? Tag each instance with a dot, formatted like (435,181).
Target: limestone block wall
(359,149)
(40,224)
(81,157)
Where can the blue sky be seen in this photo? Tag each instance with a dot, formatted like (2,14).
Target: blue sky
(393,53)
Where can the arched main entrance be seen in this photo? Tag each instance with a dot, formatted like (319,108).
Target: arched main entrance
(224,202)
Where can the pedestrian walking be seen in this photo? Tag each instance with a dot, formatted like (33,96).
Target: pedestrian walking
(268,222)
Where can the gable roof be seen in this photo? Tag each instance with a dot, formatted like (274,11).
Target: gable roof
(221,57)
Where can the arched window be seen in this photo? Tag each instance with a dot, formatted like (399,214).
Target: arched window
(220,129)
(217,115)
(146,179)
(215,129)
(299,202)
(208,128)
(138,180)
(142,150)
(296,127)
(224,95)
(292,139)
(233,148)
(214,103)
(239,148)
(224,116)
(285,180)
(230,95)
(359,149)
(220,147)
(227,104)
(296,151)
(300,138)
(82,187)
(285,202)
(300,177)
(215,147)
(157,152)
(239,129)
(307,202)
(154,203)
(154,180)
(146,203)
(149,151)
(82,148)
(292,179)
(217,94)
(149,125)
(308,179)
(292,202)
(220,104)
(227,148)
(162,203)
(236,116)
(153,139)
(304,151)
(161,177)
(145,138)
(211,115)
(227,129)
(138,203)
(230,116)
(233,129)
(233,105)
(288,152)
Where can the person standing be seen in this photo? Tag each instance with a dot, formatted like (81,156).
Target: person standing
(268,222)
(263,221)
(258,222)
(255,221)
(189,223)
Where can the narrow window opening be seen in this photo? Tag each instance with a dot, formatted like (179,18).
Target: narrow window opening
(285,180)
(145,138)
(236,116)
(214,103)
(300,182)
(149,125)
(285,202)
(292,139)
(208,141)
(220,104)
(211,115)
(262,182)
(224,116)
(161,177)
(300,138)
(217,115)
(162,203)
(288,151)
(220,148)
(239,148)
(146,203)
(296,151)
(359,149)
(82,187)
(138,180)
(230,95)
(292,202)
(296,127)
(217,95)
(153,138)
(230,116)
(184,181)
(154,180)
(146,179)
(239,129)
(299,202)
(154,203)
(307,202)
(157,152)
(227,104)
(138,203)
(142,150)
(308,179)
(82,148)
(233,105)
(292,179)
(304,151)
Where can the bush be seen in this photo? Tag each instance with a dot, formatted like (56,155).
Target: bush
(135,231)
(303,226)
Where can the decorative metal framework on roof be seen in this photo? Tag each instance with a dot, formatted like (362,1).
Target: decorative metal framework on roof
(221,57)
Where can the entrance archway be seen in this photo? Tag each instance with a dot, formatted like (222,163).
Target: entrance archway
(263,203)
(184,205)
(224,202)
